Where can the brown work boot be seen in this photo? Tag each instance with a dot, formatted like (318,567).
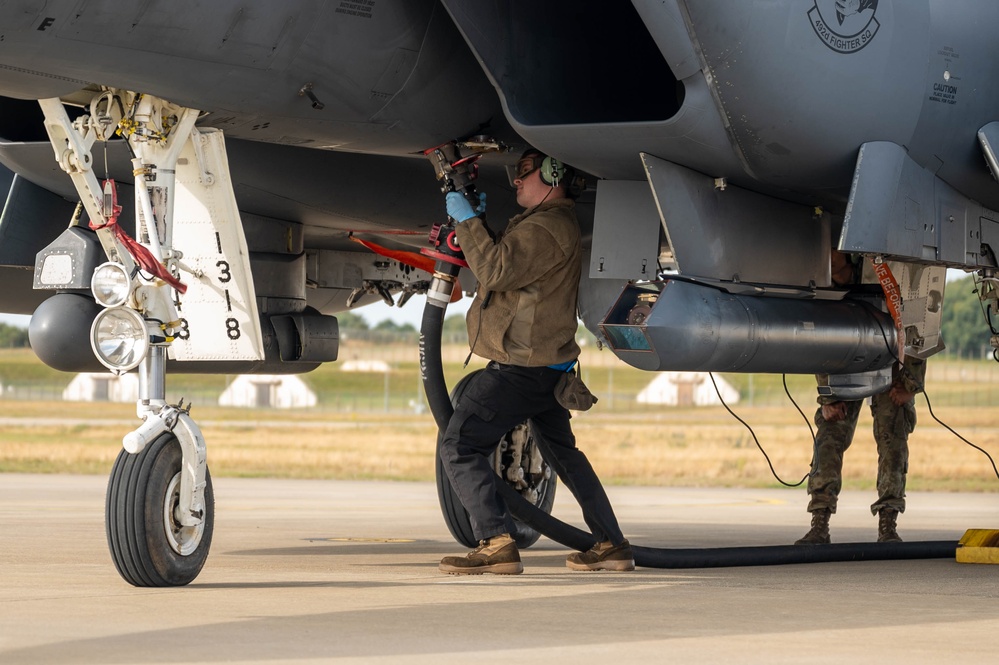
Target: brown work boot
(498,555)
(603,556)
(886,526)
(819,533)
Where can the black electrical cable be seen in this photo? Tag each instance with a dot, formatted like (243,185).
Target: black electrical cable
(987,313)
(811,463)
(926,396)
(951,430)
(803,416)
(755,440)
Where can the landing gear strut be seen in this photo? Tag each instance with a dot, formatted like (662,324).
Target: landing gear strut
(160,504)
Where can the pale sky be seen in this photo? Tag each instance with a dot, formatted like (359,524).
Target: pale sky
(15,319)
(411,312)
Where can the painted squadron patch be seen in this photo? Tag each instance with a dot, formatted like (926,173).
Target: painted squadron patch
(845,26)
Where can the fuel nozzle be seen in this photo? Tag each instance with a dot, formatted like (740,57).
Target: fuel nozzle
(456,173)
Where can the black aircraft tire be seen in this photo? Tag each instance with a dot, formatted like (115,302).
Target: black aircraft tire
(455,515)
(148,548)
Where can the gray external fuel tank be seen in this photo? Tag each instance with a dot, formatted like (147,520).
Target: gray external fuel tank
(684,326)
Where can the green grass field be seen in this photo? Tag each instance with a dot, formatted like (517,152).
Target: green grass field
(372,425)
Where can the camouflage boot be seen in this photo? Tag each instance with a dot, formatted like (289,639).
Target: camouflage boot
(819,533)
(886,526)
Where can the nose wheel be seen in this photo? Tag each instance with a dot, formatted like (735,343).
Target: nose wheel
(149,545)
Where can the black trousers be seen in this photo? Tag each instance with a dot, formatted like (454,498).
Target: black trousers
(495,401)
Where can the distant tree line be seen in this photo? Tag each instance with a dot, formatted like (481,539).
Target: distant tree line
(350,324)
(354,326)
(963,324)
(12,337)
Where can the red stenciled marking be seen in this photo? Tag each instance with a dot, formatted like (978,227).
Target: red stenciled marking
(893,297)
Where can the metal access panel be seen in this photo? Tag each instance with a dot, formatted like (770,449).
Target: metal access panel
(922,290)
(902,211)
(732,234)
(69,261)
(32,218)
(625,231)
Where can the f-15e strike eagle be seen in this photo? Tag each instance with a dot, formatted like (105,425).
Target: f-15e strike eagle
(186,184)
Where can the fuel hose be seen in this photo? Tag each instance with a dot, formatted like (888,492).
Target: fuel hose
(438,398)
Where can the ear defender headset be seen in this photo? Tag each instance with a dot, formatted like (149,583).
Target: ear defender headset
(552,171)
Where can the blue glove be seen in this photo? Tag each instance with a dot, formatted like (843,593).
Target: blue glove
(459,209)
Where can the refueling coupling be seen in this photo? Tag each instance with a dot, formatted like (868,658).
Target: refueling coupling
(456,174)
(441,288)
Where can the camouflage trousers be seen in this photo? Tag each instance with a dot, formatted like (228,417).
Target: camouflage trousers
(892,426)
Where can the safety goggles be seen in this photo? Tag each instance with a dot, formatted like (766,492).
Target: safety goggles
(524,167)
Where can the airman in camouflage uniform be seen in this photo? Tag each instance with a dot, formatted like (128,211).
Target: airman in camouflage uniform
(894,414)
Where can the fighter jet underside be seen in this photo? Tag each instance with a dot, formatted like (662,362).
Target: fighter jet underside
(204,186)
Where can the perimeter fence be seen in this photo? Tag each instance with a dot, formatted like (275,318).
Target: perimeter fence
(385,378)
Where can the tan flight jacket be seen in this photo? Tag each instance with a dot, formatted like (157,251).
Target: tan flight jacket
(532,271)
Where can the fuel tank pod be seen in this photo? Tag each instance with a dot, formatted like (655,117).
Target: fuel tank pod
(685,326)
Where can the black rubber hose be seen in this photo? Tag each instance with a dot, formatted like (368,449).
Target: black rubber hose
(775,555)
(431,366)
(435,387)
(432,373)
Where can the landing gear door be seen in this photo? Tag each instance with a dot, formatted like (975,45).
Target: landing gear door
(219,319)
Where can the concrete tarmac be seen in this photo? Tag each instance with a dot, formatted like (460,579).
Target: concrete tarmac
(342,572)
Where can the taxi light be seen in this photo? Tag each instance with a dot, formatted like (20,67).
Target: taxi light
(119,338)
(111,284)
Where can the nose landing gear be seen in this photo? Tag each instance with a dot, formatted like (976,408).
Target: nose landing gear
(149,544)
